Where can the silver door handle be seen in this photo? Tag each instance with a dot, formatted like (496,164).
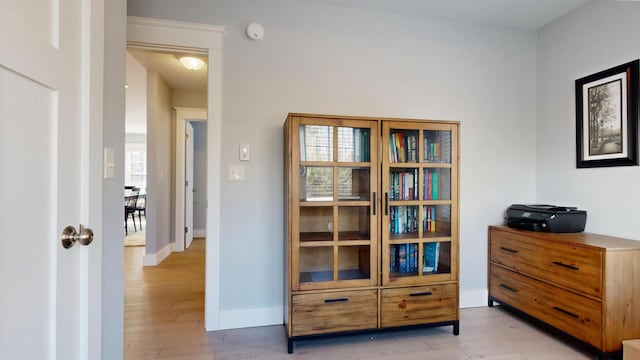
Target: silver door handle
(70,236)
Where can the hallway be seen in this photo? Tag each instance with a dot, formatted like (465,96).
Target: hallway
(164,306)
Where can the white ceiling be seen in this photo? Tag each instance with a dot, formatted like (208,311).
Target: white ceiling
(522,14)
(169,67)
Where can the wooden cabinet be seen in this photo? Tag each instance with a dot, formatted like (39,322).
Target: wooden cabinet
(371,212)
(585,285)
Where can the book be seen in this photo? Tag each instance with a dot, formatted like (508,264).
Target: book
(365,145)
(431,257)
(434,186)
(303,147)
(357,145)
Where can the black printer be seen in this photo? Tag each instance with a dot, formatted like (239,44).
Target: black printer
(547,218)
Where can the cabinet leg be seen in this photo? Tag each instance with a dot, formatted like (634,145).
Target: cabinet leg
(289,346)
(490,302)
(456,327)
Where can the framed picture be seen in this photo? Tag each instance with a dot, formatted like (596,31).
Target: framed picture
(607,117)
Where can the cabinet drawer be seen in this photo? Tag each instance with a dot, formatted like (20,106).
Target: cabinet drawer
(419,305)
(576,267)
(334,312)
(567,311)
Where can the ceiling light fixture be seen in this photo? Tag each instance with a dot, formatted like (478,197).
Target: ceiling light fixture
(191,63)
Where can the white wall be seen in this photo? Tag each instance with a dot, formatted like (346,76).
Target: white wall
(317,58)
(199,176)
(189,99)
(113,189)
(599,36)
(159,170)
(136,97)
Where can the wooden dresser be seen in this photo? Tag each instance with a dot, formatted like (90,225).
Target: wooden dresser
(585,285)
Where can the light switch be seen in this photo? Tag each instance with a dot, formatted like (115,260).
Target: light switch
(109,164)
(236,172)
(245,152)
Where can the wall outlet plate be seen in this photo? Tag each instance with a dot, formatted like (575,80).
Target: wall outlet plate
(236,172)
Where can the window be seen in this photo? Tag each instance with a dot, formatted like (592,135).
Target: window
(135,165)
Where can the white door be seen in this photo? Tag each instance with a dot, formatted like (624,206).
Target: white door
(188,189)
(46,102)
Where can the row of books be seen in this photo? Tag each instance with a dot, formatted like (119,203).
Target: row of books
(404,219)
(431,184)
(360,146)
(403,184)
(429,222)
(403,147)
(437,146)
(403,258)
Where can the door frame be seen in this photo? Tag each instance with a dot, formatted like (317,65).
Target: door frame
(148,33)
(183,115)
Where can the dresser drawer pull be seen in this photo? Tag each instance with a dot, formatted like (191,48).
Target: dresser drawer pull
(566,312)
(509,250)
(336,300)
(566,266)
(424,293)
(508,288)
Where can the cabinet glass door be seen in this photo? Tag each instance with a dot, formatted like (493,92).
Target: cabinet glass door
(336,240)
(419,183)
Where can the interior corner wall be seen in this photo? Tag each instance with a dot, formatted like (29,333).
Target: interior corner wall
(598,36)
(318,58)
(159,191)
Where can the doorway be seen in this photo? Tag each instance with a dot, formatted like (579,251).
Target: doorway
(145,33)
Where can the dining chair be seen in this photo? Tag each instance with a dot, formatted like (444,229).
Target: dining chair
(130,202)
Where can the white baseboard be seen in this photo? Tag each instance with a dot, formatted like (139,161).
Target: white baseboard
(198,233)
(155,259)
(473,298)
(243,318)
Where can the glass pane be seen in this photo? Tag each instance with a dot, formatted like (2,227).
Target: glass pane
(436,220)
(403,260)
(437,184)
(403,184)
(316,183)
(354,223)
(316,223)
(354,183)
(403,222)
(437,146)
(354,262)
(353,144)
(436,258)
(316,264)
(316,143)
(403,146)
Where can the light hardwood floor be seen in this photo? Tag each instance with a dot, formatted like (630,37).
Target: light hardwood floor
(164,319)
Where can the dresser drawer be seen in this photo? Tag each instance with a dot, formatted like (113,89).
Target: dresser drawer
(419,305)
(334,312)
(574,314)
(565,264)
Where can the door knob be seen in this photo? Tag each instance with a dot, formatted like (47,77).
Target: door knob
(70,236)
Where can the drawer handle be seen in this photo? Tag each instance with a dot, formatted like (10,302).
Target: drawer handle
(508,288)
(336,300)
(425,293)
(566,266)
(566,312)
(509,250)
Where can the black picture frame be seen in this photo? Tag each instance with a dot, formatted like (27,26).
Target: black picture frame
(607,117)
